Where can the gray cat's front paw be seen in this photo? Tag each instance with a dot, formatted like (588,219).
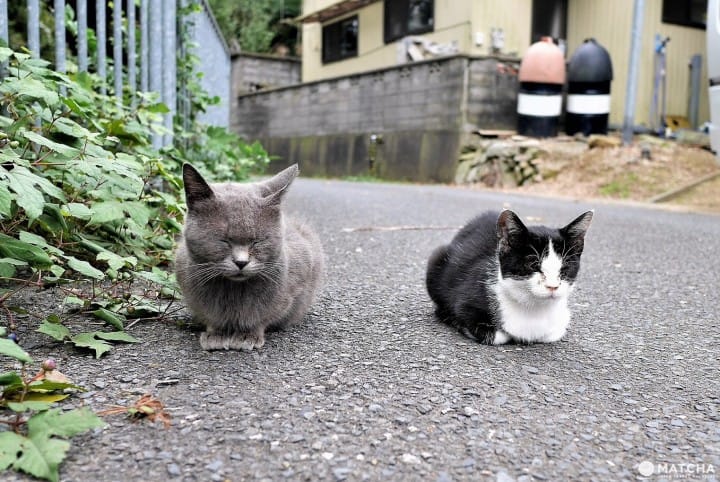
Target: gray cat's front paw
(238,341)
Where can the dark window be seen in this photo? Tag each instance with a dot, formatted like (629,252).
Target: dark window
(407,17)
(340,40)
(691,13)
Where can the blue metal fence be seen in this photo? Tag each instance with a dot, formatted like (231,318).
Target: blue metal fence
(155,59)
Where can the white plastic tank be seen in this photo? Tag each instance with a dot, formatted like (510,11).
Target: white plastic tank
(713,62)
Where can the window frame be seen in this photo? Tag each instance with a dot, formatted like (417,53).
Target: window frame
(388,38)
(327,30)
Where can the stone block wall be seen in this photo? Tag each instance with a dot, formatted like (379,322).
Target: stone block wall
(401,123)
(253,72)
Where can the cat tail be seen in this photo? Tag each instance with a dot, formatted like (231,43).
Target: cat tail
(433,278)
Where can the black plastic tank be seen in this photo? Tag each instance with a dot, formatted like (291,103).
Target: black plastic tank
(589,77)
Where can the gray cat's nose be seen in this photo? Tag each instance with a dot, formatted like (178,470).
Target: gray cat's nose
(241,263)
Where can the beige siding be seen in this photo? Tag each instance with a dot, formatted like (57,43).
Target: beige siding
(513,16)
(452,24)
(610,22)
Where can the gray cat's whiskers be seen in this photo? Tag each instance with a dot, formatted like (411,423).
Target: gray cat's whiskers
(238,290)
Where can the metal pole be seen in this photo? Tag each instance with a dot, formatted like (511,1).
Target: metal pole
(132,84)
(169,66)
(144,26)
(3,23)
(631,93)
(82,45)
(155,20)
(117,50)
(60,40)
(33,12)
(3,33)
(695,86)
(101,34)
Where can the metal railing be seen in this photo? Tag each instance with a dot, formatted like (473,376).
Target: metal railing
(155,59)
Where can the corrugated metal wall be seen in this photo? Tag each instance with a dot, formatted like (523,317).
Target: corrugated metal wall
(610,23)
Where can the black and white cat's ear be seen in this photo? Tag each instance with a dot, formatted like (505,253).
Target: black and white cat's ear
(578,227)
(273,189)
(510,230)
(196,188)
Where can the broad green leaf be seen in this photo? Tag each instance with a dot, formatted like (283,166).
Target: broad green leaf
(29,405)
(38,241)
(30,87)
(116,336)
(10,378)
(10,445)
(52,145)
(41,456)
(46,385)
(13,261)
(45,397)
(63,424)
(78,210)
(58,332)
(11,349)
(107,211)
(73,300)
(112,319)
(7,270)
(72,128)
(14,248)
(138,211)
(83,267)
(5,200)
(114,261)
(88,340)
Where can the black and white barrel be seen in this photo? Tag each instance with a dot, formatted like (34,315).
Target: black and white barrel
(541,76)
(588,99)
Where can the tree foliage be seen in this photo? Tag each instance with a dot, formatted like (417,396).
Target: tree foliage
(258,25)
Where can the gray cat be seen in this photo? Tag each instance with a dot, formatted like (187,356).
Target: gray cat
(242,265)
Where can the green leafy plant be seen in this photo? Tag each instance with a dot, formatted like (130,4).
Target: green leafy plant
(35,439)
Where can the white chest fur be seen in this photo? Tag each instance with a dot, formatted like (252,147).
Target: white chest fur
(527,318)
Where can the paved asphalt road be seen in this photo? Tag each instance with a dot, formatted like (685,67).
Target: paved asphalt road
(371,387)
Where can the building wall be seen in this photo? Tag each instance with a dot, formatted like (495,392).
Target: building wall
(513,16)
(610,23)
(418,112)
(252,72)
(214,57)
(451,24)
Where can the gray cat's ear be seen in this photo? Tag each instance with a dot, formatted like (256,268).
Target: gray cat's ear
(274,188)
(510,230)
(196,188)
(578,227)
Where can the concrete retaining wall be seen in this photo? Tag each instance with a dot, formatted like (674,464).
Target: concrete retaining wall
(402,123)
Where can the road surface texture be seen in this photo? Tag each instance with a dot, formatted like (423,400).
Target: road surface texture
(372,387)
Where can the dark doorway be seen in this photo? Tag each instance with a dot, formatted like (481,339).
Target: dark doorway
(549,19)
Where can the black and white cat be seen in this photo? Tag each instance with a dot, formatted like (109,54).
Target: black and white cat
(499,281)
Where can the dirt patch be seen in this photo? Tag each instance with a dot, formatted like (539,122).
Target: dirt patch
(648,168)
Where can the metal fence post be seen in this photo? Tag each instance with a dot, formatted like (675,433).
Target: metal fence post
(82,44)
(60,36)
(132,84)
(144,34)
(633,68)
(155,20)
(117,50)
(101,34)
(3,22)
(33,27)
(169,42)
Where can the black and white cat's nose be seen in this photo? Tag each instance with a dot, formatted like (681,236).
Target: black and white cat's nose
(241,263)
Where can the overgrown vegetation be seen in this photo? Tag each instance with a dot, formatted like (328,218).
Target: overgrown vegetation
(90,209)
(260,26)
